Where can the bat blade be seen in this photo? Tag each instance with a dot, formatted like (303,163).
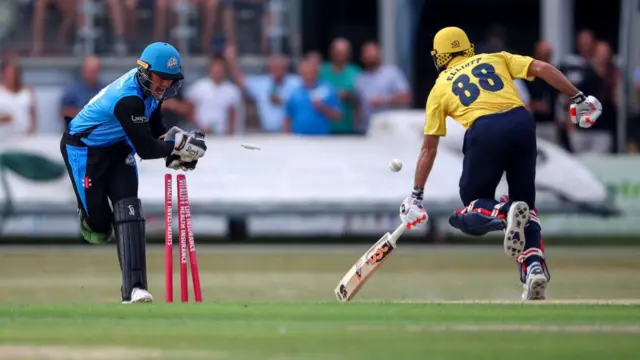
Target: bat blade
(365,267)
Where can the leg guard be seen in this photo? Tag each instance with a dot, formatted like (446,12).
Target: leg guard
(479,217)
(130,231)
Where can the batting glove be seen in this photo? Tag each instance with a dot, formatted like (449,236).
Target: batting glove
(412,212)
(585,110)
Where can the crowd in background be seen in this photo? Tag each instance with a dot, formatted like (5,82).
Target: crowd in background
(117,24)
(335,94)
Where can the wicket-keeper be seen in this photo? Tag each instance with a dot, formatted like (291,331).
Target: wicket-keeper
(98,148)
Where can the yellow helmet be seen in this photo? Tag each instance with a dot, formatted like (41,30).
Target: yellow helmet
(449,43)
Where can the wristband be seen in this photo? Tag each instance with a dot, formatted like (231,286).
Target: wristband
(417,193)
(578,98)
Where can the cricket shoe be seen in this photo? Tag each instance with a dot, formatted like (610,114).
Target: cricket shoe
(536,284)
(517,219)
(139,296)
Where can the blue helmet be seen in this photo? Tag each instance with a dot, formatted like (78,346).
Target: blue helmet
(162,59)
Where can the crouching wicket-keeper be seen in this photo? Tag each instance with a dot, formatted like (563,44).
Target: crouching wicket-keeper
(98,148)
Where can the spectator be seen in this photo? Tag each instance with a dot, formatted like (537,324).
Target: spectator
(580,71)
(342,76)
(634,126)
(76,96)
(543,98)
(269,91)
(608,95)
(17,103)
(312,105)
(380,87)
(495,40)
(209,11)
(68,10)
(216,101)
(252,26)
(116,17)
(176,111)
(315,56)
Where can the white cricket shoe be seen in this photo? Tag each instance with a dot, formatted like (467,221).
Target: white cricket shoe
(139,296)
(536,285)
(517,219)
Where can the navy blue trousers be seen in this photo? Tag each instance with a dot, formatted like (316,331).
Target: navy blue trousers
(493,145)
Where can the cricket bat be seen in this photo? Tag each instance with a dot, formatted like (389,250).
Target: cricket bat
(367,265)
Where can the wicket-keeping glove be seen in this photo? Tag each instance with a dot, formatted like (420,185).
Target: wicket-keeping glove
(412,212)
(189,147)
(585,110)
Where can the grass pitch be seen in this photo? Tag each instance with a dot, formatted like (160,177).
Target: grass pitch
(278,303)
(307,330)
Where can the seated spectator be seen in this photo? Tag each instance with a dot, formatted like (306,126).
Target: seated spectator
(17,103)
(216,101)
(380,87)
(77,95)
(342,75)
(269,92)
(314,56)
(209,11)
(116,17)
(543,98)
(313,105)
(68,10)
(177,111)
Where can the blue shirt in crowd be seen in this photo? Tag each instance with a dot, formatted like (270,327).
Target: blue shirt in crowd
(305,119)
(261,87)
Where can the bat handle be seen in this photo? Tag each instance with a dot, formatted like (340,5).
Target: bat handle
(398,231)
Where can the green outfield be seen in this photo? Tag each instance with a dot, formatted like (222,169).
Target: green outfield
(278,303)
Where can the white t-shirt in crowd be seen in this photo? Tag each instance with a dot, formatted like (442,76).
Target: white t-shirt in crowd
(18,106)
(211,103)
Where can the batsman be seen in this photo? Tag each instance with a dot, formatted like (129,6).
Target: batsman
(98,147)
(477,90)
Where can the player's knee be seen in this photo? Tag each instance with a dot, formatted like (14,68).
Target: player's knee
(95,232)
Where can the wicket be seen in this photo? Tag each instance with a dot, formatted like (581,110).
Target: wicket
(185,239)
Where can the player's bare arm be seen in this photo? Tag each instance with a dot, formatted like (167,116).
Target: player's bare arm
(425,161)
(585,109)
(552,76)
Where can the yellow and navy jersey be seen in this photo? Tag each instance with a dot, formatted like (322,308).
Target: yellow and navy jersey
(475,86)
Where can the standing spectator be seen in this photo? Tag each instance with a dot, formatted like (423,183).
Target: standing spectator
(209,11)
(76,96)
(608,95)
(380,87)
(68,10)
(313,105)
(342,75)
(543,98)
(269,92)
(17,103)
(580,71)
(495,40)
(248,20)
(116,18)
(216,101)
(634,125)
